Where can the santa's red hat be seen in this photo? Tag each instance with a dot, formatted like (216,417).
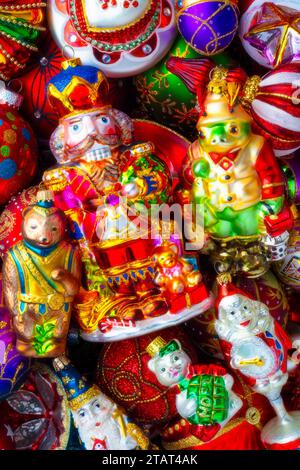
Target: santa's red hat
(226,288)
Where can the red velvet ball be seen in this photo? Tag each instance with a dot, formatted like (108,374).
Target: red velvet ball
(123,374)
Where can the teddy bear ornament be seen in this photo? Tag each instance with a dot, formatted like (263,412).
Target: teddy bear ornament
(41,275)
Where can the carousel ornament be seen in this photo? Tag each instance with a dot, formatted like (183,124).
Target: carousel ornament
(232,173)
(204,393)
(270,32)
(120,37)
(101,424)
(254,344)
(102,181)
(47,269)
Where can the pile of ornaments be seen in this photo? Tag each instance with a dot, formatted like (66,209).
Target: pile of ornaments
(149,227)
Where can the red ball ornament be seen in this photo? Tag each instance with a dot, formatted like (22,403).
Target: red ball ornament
(34,88)
(273,102)
(11,218)
(123,374)
(18,146)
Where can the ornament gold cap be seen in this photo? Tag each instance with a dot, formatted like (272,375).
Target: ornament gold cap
(224,278)
(70,63)
(250,89)
(45,195)
(218,84)
(155,346)
(82,399)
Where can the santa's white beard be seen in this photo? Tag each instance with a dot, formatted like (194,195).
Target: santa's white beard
(108,432)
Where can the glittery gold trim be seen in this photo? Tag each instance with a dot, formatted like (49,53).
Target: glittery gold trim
(155,346)
(77,402)
(250,89)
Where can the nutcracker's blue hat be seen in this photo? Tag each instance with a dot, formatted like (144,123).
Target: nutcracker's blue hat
(78,389)
(77,88)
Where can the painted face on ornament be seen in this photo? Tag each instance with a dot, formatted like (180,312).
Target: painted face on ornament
(238,312)
(166,257)
(170,368)
(93,414)
(43,230)
(223,129)
(91,136)
(224,136)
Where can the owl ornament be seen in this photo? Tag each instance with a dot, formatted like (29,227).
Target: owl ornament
(254,344)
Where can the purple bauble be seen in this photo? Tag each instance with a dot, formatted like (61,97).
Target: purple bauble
(208,26)
(13,366)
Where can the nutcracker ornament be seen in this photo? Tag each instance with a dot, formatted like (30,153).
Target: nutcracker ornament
(120,37)
(255,345)
(204,393)
(41,276)
(101,424)
(102,182)
(232,174)
(18,146)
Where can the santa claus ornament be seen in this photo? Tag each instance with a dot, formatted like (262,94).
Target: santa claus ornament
(255,345)
(120,37)
(101,424)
